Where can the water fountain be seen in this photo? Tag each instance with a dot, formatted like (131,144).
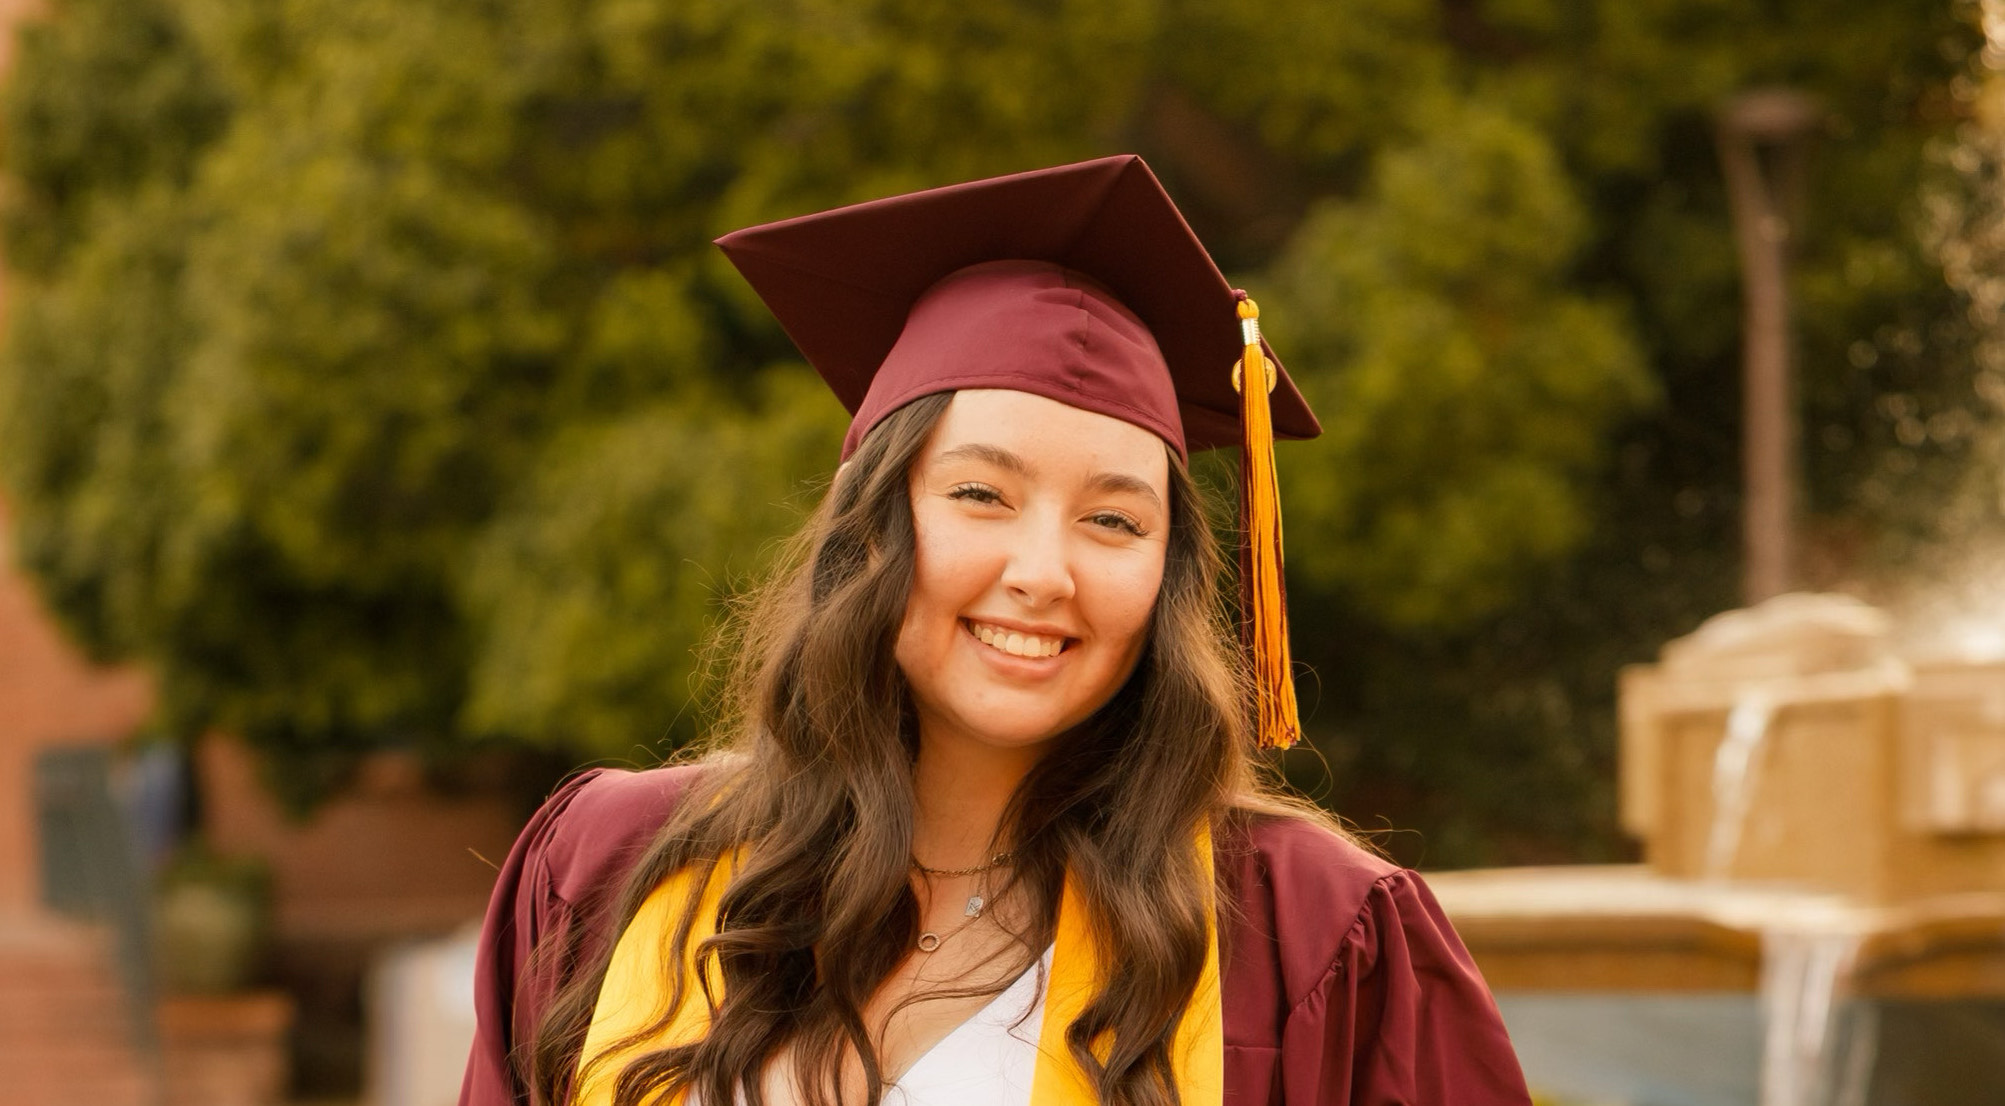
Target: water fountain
(1819,917)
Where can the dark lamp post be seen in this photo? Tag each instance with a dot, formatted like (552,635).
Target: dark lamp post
(1763,137)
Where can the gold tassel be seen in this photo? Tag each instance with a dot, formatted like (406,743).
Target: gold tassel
(1265,622)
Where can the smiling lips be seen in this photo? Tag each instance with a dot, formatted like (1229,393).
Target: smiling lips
(1015,642)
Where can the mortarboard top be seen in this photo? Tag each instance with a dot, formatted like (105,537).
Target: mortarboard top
(844,284)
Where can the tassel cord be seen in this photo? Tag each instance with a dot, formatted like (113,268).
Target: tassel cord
(1266,609)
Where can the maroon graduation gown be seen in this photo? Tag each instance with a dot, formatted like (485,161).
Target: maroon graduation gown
(1344,984)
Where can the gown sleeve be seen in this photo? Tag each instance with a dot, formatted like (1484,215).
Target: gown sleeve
(1400,1017)
(555,892)
(523,911)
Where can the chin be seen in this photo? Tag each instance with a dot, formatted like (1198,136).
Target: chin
(1026,733)
(1016,737)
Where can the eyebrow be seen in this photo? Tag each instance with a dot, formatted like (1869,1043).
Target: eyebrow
(987,454)
(1011,462)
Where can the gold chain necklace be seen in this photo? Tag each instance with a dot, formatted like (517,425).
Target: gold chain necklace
(977,902)
(995,862)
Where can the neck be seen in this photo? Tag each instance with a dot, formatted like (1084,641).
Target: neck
(960,789)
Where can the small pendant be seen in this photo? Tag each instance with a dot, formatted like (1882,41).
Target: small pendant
(975,904)
(928,942)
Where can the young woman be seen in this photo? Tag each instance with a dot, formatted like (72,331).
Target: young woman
(985,825)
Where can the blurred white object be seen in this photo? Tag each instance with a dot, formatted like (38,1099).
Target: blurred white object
(421,1023)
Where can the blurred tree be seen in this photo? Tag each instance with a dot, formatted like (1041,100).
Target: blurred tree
(1513,689)
(1474,390)
(583,636)
(370,373)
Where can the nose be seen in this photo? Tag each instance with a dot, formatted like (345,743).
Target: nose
(1039,572)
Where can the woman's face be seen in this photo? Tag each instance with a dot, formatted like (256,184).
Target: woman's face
(1041,530)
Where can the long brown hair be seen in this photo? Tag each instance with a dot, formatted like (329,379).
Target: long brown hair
(812,772)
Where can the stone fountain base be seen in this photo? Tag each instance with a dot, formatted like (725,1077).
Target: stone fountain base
(1820,920)
(1624,985)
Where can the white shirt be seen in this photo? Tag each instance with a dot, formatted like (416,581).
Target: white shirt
(988,1060)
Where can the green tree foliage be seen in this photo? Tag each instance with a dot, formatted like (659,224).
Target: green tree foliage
(370,374)
(581,636)
(1442,291)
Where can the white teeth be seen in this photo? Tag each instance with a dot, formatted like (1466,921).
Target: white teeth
(1017,644)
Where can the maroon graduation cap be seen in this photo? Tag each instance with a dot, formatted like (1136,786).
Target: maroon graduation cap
(1051,271)
(1082,284)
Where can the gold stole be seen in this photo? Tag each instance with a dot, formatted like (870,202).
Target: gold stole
(636,991)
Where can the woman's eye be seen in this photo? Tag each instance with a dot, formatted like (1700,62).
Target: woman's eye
(1115,521)
(978,493)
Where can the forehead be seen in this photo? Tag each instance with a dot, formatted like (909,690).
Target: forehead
(1055,438)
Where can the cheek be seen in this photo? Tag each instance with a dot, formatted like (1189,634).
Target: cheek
(1127,603)
(950,569)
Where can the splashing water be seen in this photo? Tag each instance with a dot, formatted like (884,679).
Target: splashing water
(1804,962)
(1955,610)
(1802,982)
(1991,17)
(1861,1050)
(1736,771)
(1957,542)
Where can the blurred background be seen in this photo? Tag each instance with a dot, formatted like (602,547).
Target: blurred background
(380,436)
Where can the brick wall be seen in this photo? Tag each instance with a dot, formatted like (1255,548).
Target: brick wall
(388,859)
(64,1033)
(49,695)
